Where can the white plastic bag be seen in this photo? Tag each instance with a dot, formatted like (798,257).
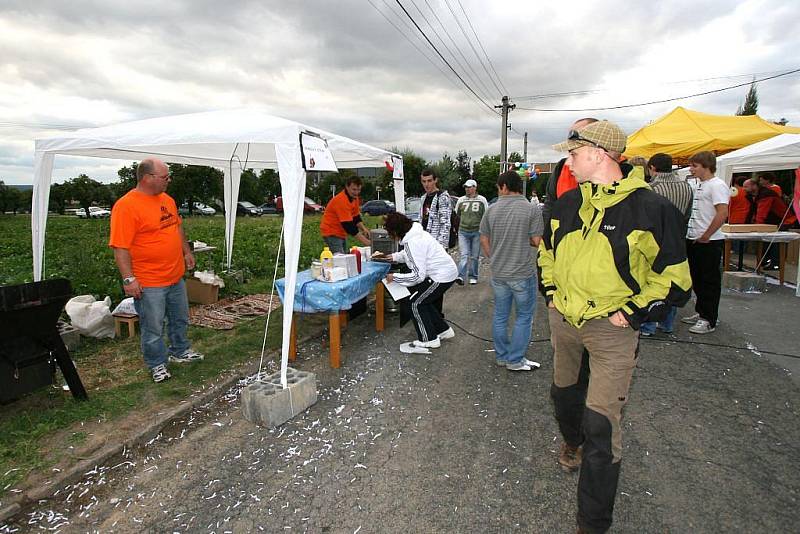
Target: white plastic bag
(208,277)
(91,317)
(126,306)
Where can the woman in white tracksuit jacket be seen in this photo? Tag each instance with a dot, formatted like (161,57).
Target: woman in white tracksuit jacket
(433,272)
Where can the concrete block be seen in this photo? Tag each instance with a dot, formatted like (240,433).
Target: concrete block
(266,403)
(744,282)
(69,335)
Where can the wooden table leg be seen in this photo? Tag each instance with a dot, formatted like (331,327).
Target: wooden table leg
(782,258)
(336,335)
(726,257)
(293,339)
(343,318)
(379,295)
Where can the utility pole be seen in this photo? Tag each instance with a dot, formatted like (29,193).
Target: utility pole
(505,107)
(525,147)
(525,159)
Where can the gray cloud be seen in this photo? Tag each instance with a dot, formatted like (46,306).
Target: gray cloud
(341,66)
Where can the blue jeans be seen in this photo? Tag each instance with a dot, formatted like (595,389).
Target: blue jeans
(666,325)
(523,294)
(469,247)
(335,244)
(156,304)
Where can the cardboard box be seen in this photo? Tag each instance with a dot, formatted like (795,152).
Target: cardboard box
(200,293)
(736,228)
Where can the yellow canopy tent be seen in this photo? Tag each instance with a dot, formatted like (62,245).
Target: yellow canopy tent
(683,132)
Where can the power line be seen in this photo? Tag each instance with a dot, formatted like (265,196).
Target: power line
(469,42)
(471,90)
(476,78)
(505,91)
(668,99)
(411,29)
(677,82)
(437,35)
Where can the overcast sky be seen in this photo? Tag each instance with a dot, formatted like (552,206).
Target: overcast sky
(342,66)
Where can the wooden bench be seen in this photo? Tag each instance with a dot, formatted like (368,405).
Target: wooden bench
(129,319)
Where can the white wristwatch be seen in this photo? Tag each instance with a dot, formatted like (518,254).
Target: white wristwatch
(128,280)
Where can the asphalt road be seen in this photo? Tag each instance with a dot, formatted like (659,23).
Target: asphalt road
(449,442)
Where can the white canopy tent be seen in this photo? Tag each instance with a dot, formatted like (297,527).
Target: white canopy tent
(232,141)
(773,154)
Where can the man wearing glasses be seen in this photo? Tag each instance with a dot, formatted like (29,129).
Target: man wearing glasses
(612,258)
(152,254)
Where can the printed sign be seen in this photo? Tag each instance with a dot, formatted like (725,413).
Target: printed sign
(397,172)
(316,154)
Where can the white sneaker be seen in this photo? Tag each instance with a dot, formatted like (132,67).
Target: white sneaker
(530,363)
(473,281)
(447,334)
(432,344)
(701,327)
(160,373)
(187,357)
(692,319)
(519,366)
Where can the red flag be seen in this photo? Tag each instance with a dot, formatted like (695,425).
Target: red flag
(796,199)
(391,167)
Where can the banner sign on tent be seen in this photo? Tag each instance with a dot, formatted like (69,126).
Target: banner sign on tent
(316,154)
(397,168)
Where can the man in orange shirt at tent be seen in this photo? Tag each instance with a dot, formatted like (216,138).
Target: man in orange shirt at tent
(343,216)
(152,254)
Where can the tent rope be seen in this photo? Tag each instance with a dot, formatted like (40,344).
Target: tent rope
(271,297)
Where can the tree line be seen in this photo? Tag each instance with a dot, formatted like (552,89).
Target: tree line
(192,184)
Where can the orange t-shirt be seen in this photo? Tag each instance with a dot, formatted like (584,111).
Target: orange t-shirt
(777,189)
(738,207)
(150,228)
(340,209)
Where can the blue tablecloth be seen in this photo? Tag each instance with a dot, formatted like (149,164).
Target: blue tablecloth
(313,296)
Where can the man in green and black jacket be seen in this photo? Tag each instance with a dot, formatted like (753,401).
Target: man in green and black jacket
(612,257)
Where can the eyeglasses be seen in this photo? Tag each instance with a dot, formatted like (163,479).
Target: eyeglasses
(163,177)
(575,135)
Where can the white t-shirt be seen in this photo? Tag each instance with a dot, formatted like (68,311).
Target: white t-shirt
(707,195)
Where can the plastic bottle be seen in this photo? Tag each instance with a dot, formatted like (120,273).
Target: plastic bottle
(357,254)
(326,258)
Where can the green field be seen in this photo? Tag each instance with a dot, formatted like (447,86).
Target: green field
(77,249)
(112,370)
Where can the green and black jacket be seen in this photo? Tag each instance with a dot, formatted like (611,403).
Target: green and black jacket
(617,247)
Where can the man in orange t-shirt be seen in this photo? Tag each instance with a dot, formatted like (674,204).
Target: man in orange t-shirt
(343,216)
(152,253)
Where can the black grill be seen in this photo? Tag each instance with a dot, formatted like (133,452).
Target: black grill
(30,345)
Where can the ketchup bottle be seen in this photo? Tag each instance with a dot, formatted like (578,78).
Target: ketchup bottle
(357,253)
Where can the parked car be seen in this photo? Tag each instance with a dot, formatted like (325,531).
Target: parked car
(308,207)
(412,208)
(377,207)
(95,213)
(268,209)
(244,207)
(197,208)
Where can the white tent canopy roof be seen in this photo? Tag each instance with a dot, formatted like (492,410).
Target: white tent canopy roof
(210,138)
(773,154)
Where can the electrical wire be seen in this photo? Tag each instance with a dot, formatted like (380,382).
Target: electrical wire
(476,78)
(670,340)
(407,38)
(474,51)
(505,91)
(471,90)
(667,99)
